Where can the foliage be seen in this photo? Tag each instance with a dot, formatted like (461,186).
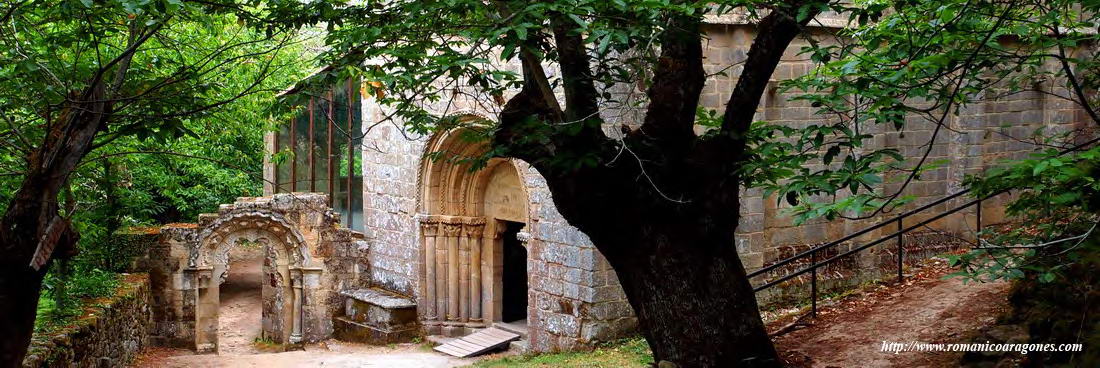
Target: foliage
(1059,203)
(903,62)
(928,62)
(171,141)
(188,112)
(420,56)
(65,291)
(632,352)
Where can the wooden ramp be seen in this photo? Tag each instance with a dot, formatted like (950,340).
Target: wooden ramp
(477,343)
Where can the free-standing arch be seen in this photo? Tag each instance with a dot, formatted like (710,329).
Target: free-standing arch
(465,216)
(285,255)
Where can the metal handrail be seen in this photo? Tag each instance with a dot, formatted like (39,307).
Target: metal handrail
(851,236)
(812,252)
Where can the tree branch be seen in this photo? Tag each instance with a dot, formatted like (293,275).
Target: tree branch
(774,33)
(678,80)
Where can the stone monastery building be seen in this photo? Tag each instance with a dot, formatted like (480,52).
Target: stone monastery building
(369,233)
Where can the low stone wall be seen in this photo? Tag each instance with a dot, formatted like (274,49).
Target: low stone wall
(110,333)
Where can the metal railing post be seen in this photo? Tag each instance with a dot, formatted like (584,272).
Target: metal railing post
(901,249)
(813,284)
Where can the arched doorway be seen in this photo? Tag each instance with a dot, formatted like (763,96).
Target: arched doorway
(471,225)
(240,312)
(279,251)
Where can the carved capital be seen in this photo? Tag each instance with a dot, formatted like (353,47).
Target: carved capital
(452,229)
(473,227)
(429,225)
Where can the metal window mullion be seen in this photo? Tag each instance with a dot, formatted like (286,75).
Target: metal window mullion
(351,160)
(331,124)
(293,153)
(275,166)
(312,148)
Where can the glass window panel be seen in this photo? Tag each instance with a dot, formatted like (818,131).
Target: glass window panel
(320,144)
(282,171)
(355,220)
(336,151)
(340,152)
(301,152)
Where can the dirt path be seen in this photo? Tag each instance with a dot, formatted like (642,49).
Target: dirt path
(239,316)
(329,354)
(850,333)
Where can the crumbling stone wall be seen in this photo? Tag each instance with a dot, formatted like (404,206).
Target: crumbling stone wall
(310,259)
(110,333)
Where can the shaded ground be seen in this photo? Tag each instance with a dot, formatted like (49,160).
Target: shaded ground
(847,333)
(329,354)
(850,332)
(239,321)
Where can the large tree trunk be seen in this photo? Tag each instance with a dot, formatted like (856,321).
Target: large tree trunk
(695,307)
(19,291)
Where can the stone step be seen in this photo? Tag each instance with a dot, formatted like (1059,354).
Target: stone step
(517,327)
(519,347)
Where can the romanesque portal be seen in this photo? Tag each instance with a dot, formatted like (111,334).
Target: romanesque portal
(474,240)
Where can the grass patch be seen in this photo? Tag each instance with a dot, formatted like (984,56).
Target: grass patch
(627,353)
(267,345)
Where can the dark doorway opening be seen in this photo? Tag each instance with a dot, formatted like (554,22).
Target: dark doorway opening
(514,275)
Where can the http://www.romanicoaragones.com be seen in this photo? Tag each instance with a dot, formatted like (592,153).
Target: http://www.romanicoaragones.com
(915,346)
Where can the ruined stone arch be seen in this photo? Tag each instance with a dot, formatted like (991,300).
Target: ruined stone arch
(265,226)
(463,213)
(286,255)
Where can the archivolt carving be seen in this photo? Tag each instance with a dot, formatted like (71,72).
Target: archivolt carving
(268,228)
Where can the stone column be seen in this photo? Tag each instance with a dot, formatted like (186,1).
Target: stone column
(429,228)
(474,228)
(441,273)
(453,229)
(463,275)
(206,308)
(491,285)
(296,305)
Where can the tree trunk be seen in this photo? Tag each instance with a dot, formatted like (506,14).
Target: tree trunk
(696,308)
(677,263)
(29,215)
(19,291)
(661,204)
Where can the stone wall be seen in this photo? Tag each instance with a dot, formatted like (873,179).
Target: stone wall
(976,139)
(110,333)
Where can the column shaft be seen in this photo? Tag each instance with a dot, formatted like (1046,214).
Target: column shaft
(475,271)
(452,270)
(441,275)
(430,230)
